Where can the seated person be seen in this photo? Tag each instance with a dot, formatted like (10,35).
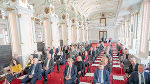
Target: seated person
(133,66)
(94,54)
(48,67)
(139,77)
(35,55)
(16,57)
(70,72)
(101,76)
(34,72)
(148,68)
(106,64)
(60,60)
(80,68)
(15,72)
(86,61)
(30,61)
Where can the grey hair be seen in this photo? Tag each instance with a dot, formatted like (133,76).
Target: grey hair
(141,65)
(132,59)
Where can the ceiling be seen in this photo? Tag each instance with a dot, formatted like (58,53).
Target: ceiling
(115,11)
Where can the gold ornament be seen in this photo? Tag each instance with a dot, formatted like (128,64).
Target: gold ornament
(63,16)
(32,18)
(73,20)
(6,17)
(46,10)
(19,15)
(13,0)
(24,1)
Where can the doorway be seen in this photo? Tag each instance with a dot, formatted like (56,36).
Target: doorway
(102,35)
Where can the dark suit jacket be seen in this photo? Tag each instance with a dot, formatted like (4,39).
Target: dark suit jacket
(131,68)
(106,76)
(51,51)
(73,72)
(93,53)
(51,64)
(134,79)
(79,65)
(37,71)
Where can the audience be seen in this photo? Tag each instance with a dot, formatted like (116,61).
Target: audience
(80,68)
(34,72)
(86,61)
(48,67)
(94,54)
(140,76)
(133,66)
(73,71)
(70,72)
(101,76)
(60,60)
(29,62)
(15,69)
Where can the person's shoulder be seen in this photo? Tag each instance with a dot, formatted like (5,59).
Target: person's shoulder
(96,70)
(66,66)
(106,71)
(19,65)
(39,64)
(74,65)
(147,73)
(134,72)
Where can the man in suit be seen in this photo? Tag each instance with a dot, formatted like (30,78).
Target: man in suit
(35,55)
(60,60)
(34,72)
(139,77)
(94,54)
(101,76)
(51,51)
(133,66)
(80,68)
(70,72)
(48,67)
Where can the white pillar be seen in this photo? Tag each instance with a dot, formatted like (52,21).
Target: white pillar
(47,33)
(55,31)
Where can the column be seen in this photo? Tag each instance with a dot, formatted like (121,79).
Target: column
(83,35)
(55,30)
(77,32)
(47,33)
(73,33)
(22,30)
(69,34)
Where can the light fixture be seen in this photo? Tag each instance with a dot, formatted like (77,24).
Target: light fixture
(103,21)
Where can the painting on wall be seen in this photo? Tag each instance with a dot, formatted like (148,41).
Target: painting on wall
(102,22)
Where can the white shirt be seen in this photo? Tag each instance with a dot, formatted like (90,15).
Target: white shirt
(68,71)
(47,63)
(53,55)
(33,69)
(140,77)
(102,80)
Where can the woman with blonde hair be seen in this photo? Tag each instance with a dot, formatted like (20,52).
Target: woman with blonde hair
(29,62)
